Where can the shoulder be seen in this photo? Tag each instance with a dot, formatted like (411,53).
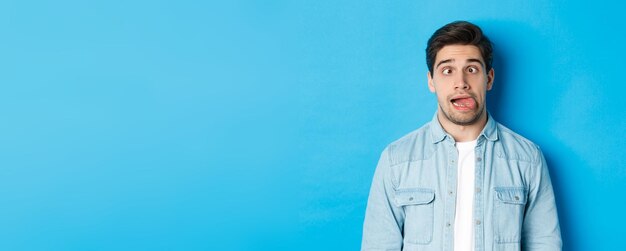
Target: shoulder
(515,147)
(415,145)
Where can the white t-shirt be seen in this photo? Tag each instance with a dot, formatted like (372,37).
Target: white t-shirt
(463,222)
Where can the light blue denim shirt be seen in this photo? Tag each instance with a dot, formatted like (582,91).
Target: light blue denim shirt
(412,200)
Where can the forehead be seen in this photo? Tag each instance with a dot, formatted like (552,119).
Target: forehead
(458,53)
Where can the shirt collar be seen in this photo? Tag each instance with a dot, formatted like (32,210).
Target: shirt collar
(436,131)
(490,132)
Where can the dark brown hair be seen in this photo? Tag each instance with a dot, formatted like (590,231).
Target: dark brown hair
(458,32)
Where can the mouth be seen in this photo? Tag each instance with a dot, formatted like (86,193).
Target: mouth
(463,103)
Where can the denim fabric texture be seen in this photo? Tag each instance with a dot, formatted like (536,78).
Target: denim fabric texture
(412,200)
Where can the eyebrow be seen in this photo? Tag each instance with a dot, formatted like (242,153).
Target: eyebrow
(452,60)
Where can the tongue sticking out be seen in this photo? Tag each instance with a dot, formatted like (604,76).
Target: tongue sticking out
(464,103)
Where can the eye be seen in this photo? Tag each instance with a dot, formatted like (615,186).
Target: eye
(472,69)
(446,71)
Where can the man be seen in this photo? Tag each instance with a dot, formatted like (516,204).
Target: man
(462,181)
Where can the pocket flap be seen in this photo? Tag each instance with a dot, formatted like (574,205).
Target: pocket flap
(414,196)
(511,195)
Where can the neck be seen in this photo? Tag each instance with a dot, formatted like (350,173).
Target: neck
(463,133)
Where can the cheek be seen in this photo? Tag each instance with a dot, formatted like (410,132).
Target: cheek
(480,85)
(441,98)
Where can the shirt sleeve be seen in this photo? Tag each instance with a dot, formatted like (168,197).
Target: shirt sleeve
(382,228)
(541,230)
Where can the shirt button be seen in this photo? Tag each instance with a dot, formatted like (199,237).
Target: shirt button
(478,159)
(410,198)
(516,197)
(450,192)
(478,190)
(477,222)
(448,224)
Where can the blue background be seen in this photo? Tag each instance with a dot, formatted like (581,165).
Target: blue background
(257,125)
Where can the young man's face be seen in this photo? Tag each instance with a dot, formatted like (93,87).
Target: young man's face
(461,82)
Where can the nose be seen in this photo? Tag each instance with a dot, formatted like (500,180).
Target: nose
(461,82)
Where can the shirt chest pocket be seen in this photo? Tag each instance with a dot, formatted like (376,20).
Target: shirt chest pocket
(509,206)
(418,207)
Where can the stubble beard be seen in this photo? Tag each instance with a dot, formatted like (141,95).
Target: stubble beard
(458,119)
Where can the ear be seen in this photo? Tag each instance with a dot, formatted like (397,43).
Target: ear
(490,77)
(431,84)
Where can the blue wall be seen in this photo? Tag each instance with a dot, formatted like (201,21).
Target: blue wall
(257,125)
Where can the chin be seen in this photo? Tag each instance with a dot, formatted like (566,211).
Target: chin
(464,119)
